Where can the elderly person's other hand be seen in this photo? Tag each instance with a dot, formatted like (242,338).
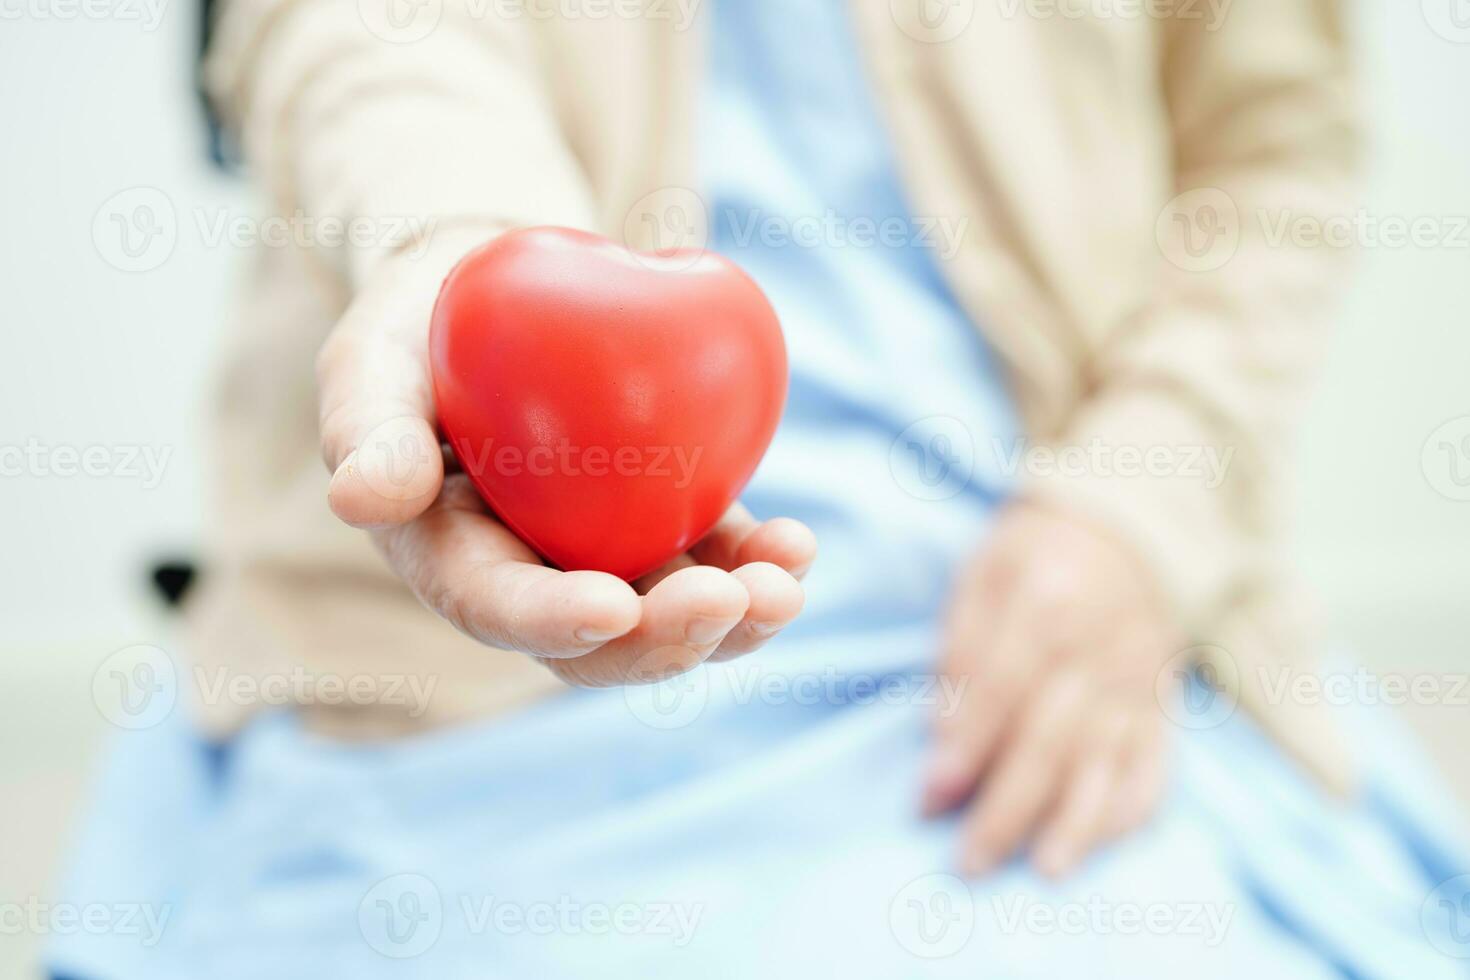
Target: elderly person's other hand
(1056,637)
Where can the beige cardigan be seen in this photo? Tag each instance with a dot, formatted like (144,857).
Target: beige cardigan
(1125,320)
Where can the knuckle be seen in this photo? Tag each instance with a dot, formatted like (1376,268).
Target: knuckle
(334,350)
(1040,751)
(1053,585)
(1109,730)
(1043,742)
(464,601)
(450,603)
(1072,690)
(333,424)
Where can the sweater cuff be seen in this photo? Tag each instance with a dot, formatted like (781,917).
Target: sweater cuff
(1145,465)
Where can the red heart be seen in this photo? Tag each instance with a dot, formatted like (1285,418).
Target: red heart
(609,405)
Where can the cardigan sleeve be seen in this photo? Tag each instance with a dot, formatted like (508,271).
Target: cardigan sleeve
(1252,253)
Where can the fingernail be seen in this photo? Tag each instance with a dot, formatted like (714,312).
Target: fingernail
(589,635)
(948,771)
(766,629)
(706,630)
(935,800)
(343,470)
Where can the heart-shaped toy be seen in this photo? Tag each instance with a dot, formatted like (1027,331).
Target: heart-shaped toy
(609,405)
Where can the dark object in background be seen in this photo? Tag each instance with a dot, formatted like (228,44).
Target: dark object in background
(172,579)
(221,152)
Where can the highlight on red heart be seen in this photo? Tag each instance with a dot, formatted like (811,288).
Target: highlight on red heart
(609,405)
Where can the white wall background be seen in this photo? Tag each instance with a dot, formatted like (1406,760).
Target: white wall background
(90,355)
(1374,533)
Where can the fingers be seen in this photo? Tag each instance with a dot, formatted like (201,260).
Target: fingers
(1058,642)
(472,571)
(591,629)
(1027,776)
(766,558)
(1080,821)
(775,600)
(376,413)
(1142,779)
(684,619)
(992,644)
(739,539)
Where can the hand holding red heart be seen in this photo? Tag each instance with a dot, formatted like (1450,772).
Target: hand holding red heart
(732,587)
(609,405)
